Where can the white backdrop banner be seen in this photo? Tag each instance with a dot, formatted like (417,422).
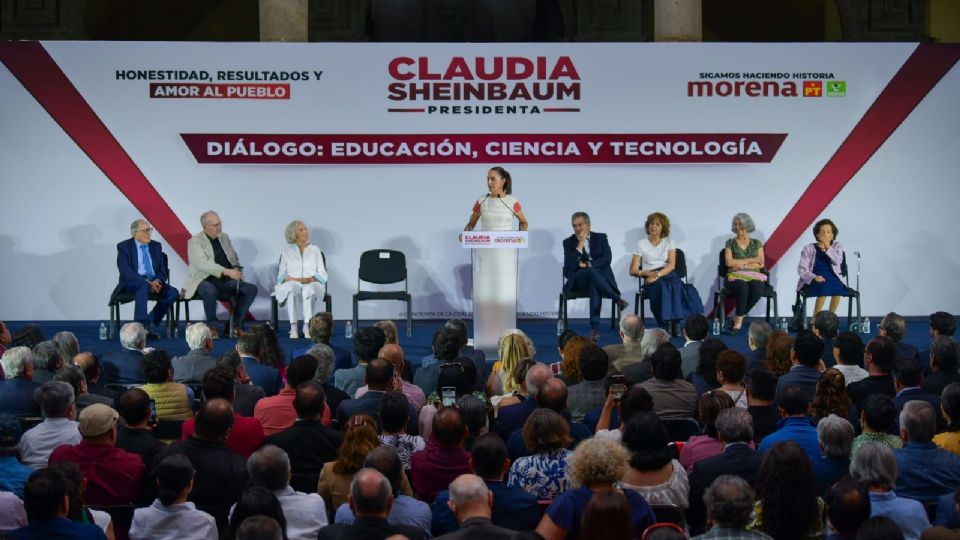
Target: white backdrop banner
(388,145)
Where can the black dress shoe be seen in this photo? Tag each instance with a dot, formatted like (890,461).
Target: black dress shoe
(622,304)
(595,335)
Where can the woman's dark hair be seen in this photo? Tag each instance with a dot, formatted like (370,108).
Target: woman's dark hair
(709,407)
(474,414)
(648,441)
(270,345)
(880,412)
(545,430)
(394,412)
(156,366)
(950,401)
(454,374)
(255,501)
(787,490)
(173,475)
(830,396)
(446,344)
(74,479)
(507,181)
(607,515)
(469,370)
(710,349)
(821,223)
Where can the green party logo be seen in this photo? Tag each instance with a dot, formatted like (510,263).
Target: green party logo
(836,88)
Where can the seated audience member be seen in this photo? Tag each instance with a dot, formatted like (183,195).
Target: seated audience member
(135,435)
(46,361)
(943,362)
(826,326)
(514,348)
(190,367)
(18,387)
(308,442)
(907,377)
(654,471)
(221,475)
(171,516)
(276,413)
(758,334)
(894,326)
(836,438)
(445,348)
(58,426)
(706,444)
(848,506)
(831,398)
(925,471)
(74,377)
(553,396)
(544,472)
(389,331)
(589,393)
(512,418)
(324,375)
(795,424)
(394,415)
(246,434)
(949,439)
(478,357)
(259,527)
(12,514)
(379,379)
(616,412)
(848,353)
(123,366)
(371,499)
(272,353)
(787,503)
(607,515)
(459,374)
(804,358)
(68,345)
(597,464)
(945,524)
(13,474)
(475,416)
(779,347)
(628,351)
(444,457)
(673,397)
(761,387)
(392,353)
(321,330)
(878,357)
(251,350)
(405,510)
(269,467)
(643,371)
(731,369)
(45,500)
(78,511)
(90,365)
(174,401)
(879,528)
(704,375)
(114,476)
(729,503)
(875,468)
(256,502)
(471,502)
(247,393)
(367,343)
(513,508)
(694,332)
(877,419)
(734,431)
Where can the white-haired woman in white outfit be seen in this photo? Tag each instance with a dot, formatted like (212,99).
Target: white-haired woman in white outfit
(302,276)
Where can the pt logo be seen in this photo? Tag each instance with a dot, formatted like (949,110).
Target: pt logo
(836,88)
(813,89)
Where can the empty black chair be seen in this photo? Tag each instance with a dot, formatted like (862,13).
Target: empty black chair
(722,293)
(383,267)
(120,298)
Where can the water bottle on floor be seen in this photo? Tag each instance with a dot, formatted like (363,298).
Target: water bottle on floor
(348,330)
(865,325)
(103,330)
(784,326)
(560,327)
(716,326)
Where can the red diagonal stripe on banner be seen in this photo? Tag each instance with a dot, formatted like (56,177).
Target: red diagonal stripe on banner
(918,75)
(32,65)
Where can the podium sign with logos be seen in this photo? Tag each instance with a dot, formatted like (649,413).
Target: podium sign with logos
(494,284)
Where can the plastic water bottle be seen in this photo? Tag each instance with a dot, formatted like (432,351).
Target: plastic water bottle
(560,326)
(103,330)
(716,326)
(348,330)
(865,325)
(784,326)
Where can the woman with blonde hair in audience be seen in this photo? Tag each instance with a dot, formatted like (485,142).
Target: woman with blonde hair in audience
(597,464)
(778,352)
(514,347)
(389,331)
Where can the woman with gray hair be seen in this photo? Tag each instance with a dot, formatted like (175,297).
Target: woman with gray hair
(301,276)
(744,259)
(67,344)
(875,467)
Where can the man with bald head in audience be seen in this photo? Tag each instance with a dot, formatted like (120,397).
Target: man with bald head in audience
(90,364)
(444,457)
(371,499)
(391,352)
(512,418)
(472,503)
(553,396)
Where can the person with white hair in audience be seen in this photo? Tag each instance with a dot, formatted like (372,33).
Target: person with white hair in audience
(326,361)
(46,361)
(643,370)
(58,427)
(628,352)
(512,417)
(90,364)
(836,438)
(171,516)
(17,387)
(894,326)
(190,367)
(472,503)
(729,501)
(925,471)
(371,499)
(875,467)
(123,366)
(758,334)
(301,276)
(305,512)
(67,344)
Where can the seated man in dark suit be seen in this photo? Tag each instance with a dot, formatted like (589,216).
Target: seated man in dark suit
(251,351)
(552,396)
(17,387)
(586,267)
(924,471)
(190,367)
(826,326)
(371,498)
(379,381)
(472,503)
(941,324)
(735,432)
(761,392)
(142,271)
(513,508)
(878,357)
(758,334)
(513,417)
(943,363)
(247,393)
(123,366)
(308,443)
(907,378)
(804,357)
(90,365)
(894,326)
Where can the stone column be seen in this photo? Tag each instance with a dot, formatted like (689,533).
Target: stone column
(283,20)
(677,20)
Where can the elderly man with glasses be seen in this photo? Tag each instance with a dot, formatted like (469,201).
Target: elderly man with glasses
(143,271)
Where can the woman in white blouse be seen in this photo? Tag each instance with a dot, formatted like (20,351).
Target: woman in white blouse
(301,277)
(654,262)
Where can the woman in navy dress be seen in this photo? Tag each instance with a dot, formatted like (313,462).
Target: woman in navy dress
(819,267)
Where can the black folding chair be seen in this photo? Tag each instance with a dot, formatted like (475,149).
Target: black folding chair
(383,267)
(117,300)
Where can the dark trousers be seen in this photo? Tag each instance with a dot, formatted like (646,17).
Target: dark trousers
(241,298)
(141,293)
(590,280)
(746,293)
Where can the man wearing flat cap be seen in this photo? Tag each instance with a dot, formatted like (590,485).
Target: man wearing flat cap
(114,476)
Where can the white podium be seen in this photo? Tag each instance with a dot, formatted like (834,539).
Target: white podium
(494,284)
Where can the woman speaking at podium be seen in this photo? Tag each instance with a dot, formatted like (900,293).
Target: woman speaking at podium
(495,270)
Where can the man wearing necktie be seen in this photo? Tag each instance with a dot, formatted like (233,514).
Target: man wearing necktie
(142,272)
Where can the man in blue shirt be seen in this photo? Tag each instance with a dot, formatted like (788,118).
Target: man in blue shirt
(794,425)
(924,471)
(804,357)
(46,502)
